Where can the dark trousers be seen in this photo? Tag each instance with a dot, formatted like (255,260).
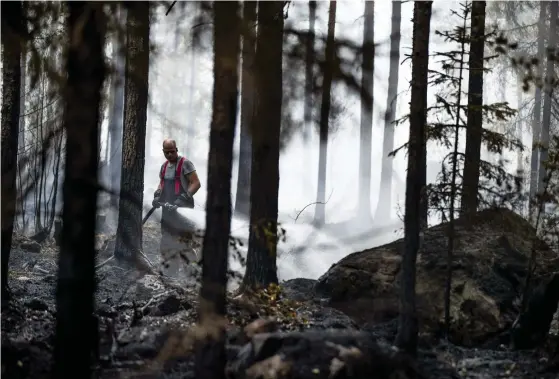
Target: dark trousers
(177,245)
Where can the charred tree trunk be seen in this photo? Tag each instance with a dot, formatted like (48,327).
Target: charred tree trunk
(12,34)
(76,335)
(366,127)
(242,200)
(309,75)
(537,117)
(261,267)
(547,100)
(407,323)
(129,229)
(384,204)
(474,125)
(210,352)
(320,210)
(116,113)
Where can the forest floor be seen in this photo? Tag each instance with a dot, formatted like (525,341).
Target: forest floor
(146,328)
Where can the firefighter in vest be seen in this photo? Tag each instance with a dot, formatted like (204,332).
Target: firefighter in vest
(178,184)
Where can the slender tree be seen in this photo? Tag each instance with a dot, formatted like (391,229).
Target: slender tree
(12,41)
(129,229)
(210,352)
(366,127)
(261,257)
(242,200)
(474,127)
(406,338)
(76,336)
(549,84)
(116,112)
(309,74)
(328,74)
(384,203)
(537,115)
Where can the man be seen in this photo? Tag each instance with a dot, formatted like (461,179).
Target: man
(177,186)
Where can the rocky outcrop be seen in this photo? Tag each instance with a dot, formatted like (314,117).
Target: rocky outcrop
(491,253)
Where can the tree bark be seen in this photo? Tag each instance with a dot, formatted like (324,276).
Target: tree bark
(210,352)
(261,257)
(384,204)
(547,100)
(116,113)
(12,35)
(366,127)
(320,210)
(474,126)
(407,322)
(76,336)
(129,229)
(242,200)
(309,75)
(537,117)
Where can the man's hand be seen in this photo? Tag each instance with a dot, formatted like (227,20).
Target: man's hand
(156,196)
(184,200)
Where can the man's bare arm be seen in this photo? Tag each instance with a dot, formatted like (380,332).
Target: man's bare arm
(193,183)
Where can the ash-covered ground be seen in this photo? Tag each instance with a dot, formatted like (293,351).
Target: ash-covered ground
(147,327)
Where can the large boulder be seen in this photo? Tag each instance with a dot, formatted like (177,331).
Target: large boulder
(491,253)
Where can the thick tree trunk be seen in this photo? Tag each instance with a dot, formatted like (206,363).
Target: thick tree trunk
(242,200)
(474,127)
(12,34)
(309,75)
(261,257)
(116,113)
(320,210)
(407,323)
(76,335)
(547,100)
(537,117)
(210,352)
(384,205)
(129,229)
(366,127)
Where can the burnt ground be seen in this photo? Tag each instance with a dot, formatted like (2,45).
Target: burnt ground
(146,327)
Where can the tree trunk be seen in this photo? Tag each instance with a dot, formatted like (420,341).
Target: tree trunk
(129,229)
(536,120)
(210,352)
(384,205)
(261,257)
(320,210)
(116,116)
(366,127)
(12,33)
(407,323)
(191,124)
(547,100)
(474,127)
(76,336)
(242,200)
(309,75)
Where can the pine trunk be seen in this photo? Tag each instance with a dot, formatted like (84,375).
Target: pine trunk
(366,127)
(76,334)
(261,257)
(210,352)
(407,323)
(242,200)
(12,30)
(474,125)
(129,229)
(320,210)
(384,211)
